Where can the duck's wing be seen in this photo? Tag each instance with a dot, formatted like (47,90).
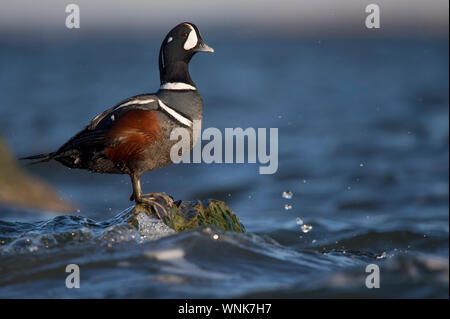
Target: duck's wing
(97,132)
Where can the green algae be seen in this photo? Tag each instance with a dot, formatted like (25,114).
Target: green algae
(182,216)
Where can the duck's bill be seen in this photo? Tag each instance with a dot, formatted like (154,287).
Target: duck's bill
(203,47)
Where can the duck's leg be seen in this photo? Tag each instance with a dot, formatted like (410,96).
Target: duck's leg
(136,183)
(157,201)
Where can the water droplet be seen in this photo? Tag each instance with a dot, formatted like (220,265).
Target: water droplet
(361,164)
(304,181)
(349,187)
(287,207)
(33,249)
(78,211)
(215,236)
(382,256)
(313,241)
(306,228)
(299,221)
(287,194)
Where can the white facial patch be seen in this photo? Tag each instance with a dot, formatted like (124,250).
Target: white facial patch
(169,39)
(191,40)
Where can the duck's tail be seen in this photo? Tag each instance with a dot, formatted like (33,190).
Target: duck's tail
(40,158)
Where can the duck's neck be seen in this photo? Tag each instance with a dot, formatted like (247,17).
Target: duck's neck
(175,72)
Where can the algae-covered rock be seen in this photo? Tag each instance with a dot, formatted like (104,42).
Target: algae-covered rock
(190,214)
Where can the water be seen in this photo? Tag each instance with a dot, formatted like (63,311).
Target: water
(363,147)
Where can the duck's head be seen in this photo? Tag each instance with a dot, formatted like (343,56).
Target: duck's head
(177,49)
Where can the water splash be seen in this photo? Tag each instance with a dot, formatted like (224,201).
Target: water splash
(19,237)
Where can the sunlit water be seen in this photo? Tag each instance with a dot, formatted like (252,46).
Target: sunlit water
(362,178)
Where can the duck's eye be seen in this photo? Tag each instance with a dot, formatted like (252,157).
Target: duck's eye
(184,34)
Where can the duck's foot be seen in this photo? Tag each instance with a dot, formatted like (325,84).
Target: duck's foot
(159,203)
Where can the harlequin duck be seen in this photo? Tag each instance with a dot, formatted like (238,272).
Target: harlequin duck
(133,136)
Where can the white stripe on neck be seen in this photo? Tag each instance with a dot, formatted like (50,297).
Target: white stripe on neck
(180,118)
(177,86)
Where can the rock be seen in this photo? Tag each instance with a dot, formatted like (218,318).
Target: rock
(18,188)
(182,216)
